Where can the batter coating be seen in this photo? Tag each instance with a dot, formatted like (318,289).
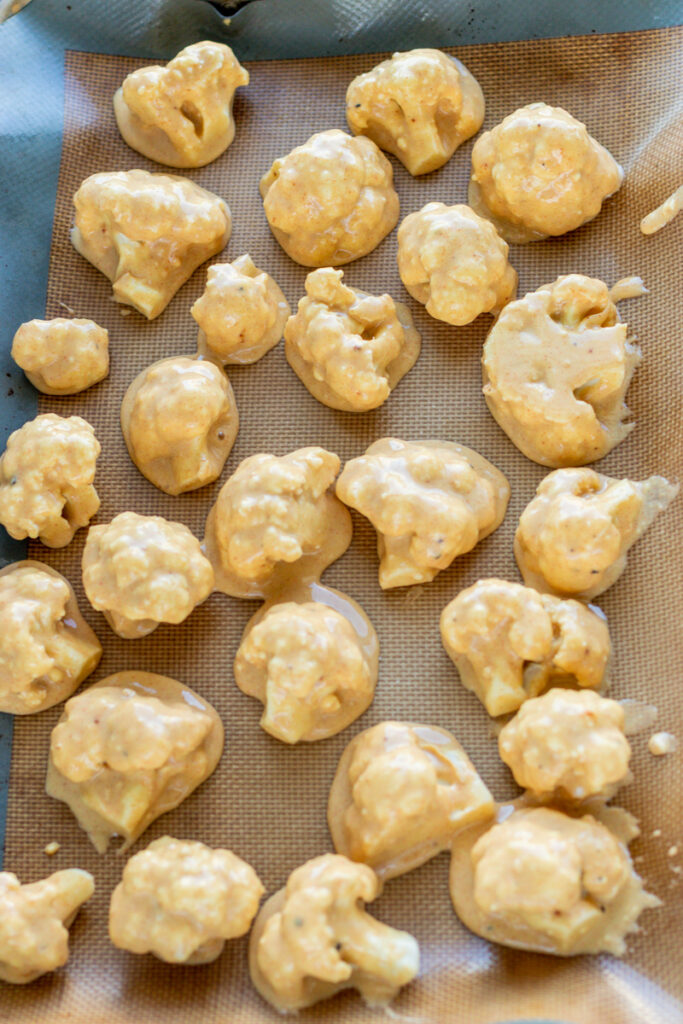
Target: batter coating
(60,356)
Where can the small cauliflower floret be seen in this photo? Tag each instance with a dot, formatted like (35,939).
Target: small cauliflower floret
(509,643)
(400,794)
(276,517)
(419,105)
(567,743)
(331,200)
(46,479)
(181,114)
(556,368)
(46,647)
(241,313)
(540,173)
(181,900)
(61,356)
(314,938)
(179,420)
(143,570)
(35,920)
(147,233)
(429,501)
(350,349)
(573,537)
(129,749)
(455,263)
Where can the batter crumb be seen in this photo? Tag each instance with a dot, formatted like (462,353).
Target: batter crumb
(661,743)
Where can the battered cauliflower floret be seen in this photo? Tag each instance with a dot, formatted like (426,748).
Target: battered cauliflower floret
(241,313)
(573,537)
(400,794)
(35,920)
(509,643)
(46,647)
(181,114)
(350,349)
(179,420)
(314,938)
(455,263)
(429,501)
(419,105)
(276,517)
(309,668)
(540,173)
(181,900)
(129,749)
(46,479)
(331,200)
(567,743)
(556,368)
(61,356)
(147,233)
(143,570)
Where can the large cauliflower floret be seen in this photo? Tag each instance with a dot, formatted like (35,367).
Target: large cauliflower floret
(147,233)
(556,368)
(181,900)
(315,938)
(419,105)
(509,643)
(429,501)
(179,420)
(540,173)
(46,647)
(276,517)
(241,313)
(34,922)
(331,200)
(309,668)
(181,114)
(129,749)
(143,570)
(350,349)
(455,263)
(573,537)
(568,743)
(61,356)
(46,479)
(400,794)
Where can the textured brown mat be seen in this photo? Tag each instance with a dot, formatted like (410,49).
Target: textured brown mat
(267,802)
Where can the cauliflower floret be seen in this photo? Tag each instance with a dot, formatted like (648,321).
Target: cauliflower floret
(127,750)
(275,514)
(569,742)
(331,200)
(143,570)
(509,643)
(350,349)
(34,922)
(46,479)
(181,114)
(241,313)
(314,938)
(46,647)
(147,233)
(540,173)
(419,105)
(309,667)
(400,794)
(179,420)
(573,537)
(455,263)
(61,356)
(556,368)
(429,501)
(181,900)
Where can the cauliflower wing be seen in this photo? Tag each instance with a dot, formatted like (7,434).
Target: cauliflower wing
(61,356)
